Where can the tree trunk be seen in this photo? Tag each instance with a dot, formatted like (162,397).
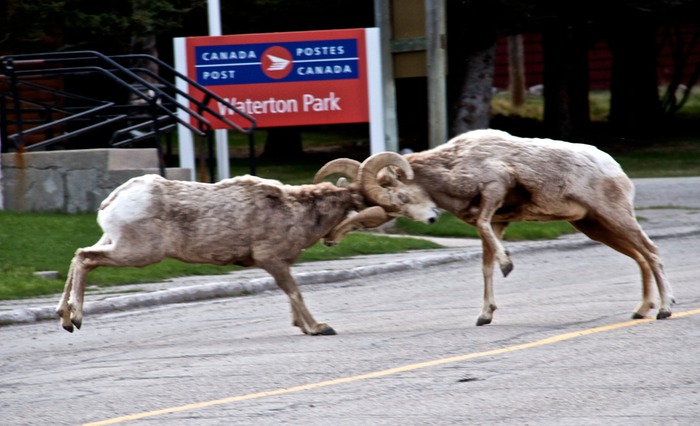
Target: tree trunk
(634,99)
(473,108)
(516,70)
(566,84)
(145,45)
(1,199)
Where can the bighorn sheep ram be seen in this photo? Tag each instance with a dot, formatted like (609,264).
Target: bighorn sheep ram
(489,178)
(246,221)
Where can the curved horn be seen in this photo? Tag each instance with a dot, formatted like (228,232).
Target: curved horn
(343,166)
(370,217)
(367,175)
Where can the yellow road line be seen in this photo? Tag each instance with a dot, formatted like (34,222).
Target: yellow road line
(382,373)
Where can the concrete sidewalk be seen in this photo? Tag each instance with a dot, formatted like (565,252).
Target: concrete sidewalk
(667,207)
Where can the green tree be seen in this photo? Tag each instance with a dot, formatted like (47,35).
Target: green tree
(109,26)
(630,28)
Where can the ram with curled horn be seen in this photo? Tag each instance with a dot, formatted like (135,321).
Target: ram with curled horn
(489,178)
(246,221)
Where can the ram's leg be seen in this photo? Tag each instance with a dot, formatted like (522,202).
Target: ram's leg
(73,291)
(636,237)
(83,262)
(625,237)
(489,256)
(104,253)
(492,249)
(370,217)
(301,316)
(78,293)
(504,261)
(651,254)
(489,305)
(63,309)
(663,285)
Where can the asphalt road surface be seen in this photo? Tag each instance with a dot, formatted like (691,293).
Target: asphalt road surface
(561,351)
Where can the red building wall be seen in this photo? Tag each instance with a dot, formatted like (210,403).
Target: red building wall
(599,61)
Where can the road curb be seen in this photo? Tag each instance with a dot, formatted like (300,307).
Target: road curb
(201,292)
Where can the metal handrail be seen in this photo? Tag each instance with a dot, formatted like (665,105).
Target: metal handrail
(209,94)
(156,92)
(154,100)
(39,58)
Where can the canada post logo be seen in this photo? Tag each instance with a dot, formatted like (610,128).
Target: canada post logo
(277,62)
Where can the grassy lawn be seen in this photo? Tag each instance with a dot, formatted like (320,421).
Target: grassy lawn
(450,226)
(677,156)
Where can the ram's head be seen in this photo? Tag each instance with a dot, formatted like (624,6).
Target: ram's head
(385,181)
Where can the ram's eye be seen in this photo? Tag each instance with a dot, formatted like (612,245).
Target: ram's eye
(403,198)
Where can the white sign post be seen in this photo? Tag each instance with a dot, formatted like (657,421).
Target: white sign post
(221,135)
(377,130)
(1,202)
(184,135)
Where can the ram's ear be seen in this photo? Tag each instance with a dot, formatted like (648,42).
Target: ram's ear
(344,166)
(388,177)
(399,174)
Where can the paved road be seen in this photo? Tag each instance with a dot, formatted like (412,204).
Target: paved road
(651,192)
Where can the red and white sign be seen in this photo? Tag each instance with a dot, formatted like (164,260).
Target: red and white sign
(286,79)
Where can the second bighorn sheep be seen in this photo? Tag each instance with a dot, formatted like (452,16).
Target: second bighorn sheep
(245,221)
(489,178)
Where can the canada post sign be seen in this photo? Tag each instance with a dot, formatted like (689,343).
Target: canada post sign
(285,79)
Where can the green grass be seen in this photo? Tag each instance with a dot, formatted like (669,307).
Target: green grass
(31,242)
(533,108)
(450,226)
(674,157)
(361,243)
(598,104)
(290,172)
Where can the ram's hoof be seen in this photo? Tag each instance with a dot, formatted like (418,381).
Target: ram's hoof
(325,330)
(637,316)
(507,268)
(68,328)
(483,321)
(77,323)
(663,315)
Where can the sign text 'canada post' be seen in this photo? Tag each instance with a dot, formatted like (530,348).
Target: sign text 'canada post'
(298,61)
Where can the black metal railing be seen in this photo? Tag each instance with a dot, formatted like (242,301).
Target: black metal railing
(149,105)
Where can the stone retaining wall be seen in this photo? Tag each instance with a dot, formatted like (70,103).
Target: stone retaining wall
(73,181)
